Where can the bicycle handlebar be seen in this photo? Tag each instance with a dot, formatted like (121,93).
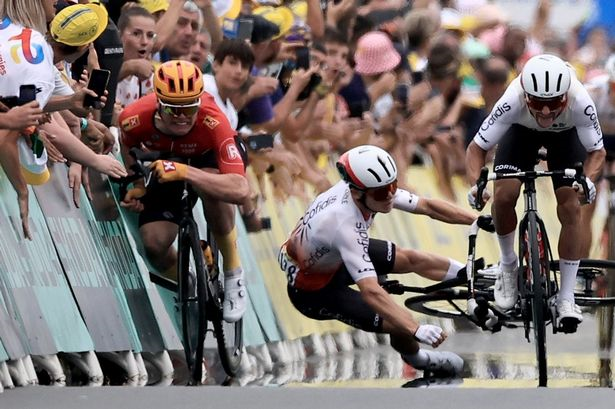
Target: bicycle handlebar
(485,176)
(140,171)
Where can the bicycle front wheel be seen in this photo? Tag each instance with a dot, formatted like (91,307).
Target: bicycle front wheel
(537,281)
(446,303)
(229,335)
(192,300)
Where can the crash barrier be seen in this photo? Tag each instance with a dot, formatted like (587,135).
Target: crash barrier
(80,292)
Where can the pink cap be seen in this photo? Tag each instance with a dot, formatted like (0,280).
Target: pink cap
(375,54)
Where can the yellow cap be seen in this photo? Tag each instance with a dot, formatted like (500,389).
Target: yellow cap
(33,168)
(281,16)
(154,6)
(79,25)
(229,9)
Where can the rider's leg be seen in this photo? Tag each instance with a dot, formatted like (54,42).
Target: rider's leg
(428,265)
(585,235)
(505,195)
(158,238)
(569,246)
(221,220)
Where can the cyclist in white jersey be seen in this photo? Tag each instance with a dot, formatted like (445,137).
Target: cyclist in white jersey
(330,249)
(602,91)
(546,106)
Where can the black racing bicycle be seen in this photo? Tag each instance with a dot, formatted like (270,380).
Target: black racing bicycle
(537,278)
(200,290)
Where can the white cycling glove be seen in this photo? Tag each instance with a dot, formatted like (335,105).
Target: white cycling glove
(590,186)
(472,195)
(428,334)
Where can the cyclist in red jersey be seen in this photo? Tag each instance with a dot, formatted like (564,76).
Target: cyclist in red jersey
(180,120)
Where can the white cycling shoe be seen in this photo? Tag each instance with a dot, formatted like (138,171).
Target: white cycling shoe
(505,290)
(442,363)
(235,298)
(568,313)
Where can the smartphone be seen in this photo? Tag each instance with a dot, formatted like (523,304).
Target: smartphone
(97,83)
(244,29)
(260,141)
(302,57)
(27,93)
(401,94)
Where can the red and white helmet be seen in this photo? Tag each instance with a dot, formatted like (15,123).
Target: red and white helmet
(367,167)
(545,76)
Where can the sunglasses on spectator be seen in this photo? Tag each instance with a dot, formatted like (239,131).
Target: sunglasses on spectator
(553,104)
(178,110)
(381,194)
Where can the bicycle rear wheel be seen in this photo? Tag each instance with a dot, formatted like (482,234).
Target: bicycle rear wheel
(229,336)
(192,299)
(536,281)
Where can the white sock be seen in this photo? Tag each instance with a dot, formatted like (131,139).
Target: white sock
(420,359)
(507,249)
(453,268)
(568,273)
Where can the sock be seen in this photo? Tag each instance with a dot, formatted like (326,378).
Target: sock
(507,249)
(420,359)
(228,247)
(568,273)
(453,268)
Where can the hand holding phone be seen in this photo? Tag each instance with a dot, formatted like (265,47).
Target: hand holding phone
(97,83)
(260,141)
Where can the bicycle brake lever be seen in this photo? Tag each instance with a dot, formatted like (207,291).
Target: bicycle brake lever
(580,178)
(481,184)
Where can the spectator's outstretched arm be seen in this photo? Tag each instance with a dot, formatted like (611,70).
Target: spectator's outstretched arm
(294,125)
(315,19)
(166,24)
(539,29)
(211,23)
(75,150)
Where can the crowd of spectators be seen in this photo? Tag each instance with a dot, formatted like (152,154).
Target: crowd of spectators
(416,78)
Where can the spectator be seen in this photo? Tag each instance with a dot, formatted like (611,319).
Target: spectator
(188,24)
(137,31)
(200,52)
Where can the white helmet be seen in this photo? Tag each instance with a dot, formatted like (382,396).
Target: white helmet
(366,167)
(609,67)
(545,76)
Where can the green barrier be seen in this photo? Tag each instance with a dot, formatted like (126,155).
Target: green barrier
(37,295)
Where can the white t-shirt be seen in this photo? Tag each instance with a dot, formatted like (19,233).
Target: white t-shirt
(580,112)
(25,58)
(131,89)
(227,106)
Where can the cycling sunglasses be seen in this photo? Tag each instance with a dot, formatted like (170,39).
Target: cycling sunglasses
(553,104)
(177,110)
(381,194)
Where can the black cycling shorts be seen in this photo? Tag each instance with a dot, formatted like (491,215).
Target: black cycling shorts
(517,151)
(337,301)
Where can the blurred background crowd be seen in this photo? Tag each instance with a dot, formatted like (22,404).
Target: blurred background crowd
(304,80)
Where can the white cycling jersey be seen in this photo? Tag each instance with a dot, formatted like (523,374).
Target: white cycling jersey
(604,99)
(511,108)
(331,232)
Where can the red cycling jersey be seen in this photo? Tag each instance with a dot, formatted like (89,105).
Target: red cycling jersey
(211,131)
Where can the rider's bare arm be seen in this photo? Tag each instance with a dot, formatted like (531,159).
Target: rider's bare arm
(475,160)
(393,314)
(227,187)
(444,211)
(594,163)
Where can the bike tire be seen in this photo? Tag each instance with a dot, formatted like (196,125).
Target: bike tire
(598,268)
(441,304)
(229,336)
(192,304)
(538,298)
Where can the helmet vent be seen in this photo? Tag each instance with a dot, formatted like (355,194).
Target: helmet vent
(535,82)
(370,170)
(559,82)
(190,84)
(546,81)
